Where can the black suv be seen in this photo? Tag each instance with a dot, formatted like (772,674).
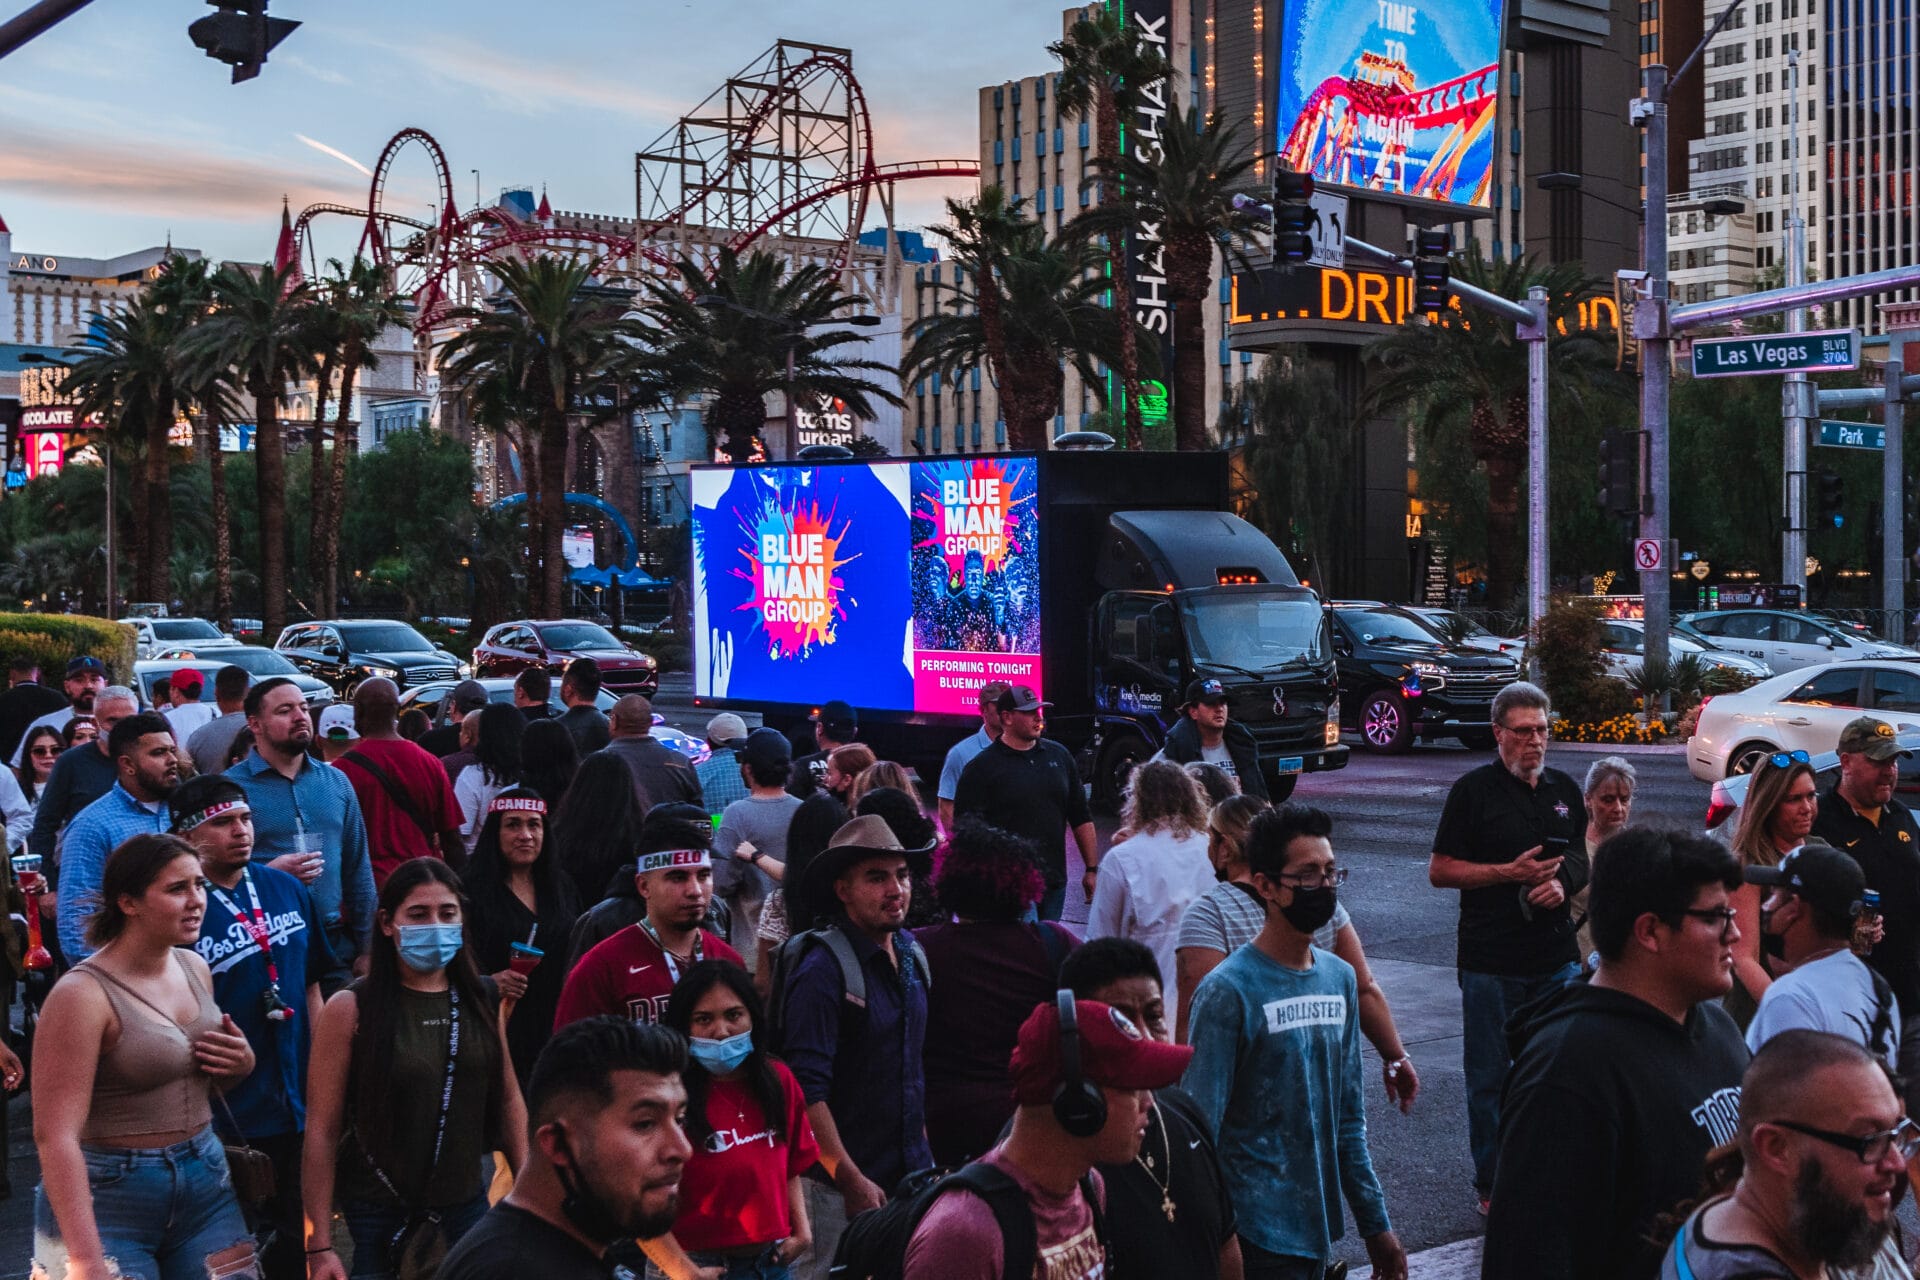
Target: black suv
(1400,679)
(344,652)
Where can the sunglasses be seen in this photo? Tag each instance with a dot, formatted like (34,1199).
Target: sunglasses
(1786,759)
(45,751)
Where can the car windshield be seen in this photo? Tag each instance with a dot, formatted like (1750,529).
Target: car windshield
(1375,625)
(1252,631)
(257,661)
(185,629)
(578,635)
(384,639)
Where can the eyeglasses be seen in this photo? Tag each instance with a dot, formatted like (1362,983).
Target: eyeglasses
(1784,759)
(1332,879)
(1873,1147)
(1724,916)
(1540,731)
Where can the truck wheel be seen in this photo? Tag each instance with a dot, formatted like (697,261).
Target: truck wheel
(1385,724)
(1119,756)
(1477,739)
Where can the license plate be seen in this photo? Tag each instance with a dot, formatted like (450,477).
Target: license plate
(1290,764)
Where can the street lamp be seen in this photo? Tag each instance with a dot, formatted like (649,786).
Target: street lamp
(794,334)
(106,459)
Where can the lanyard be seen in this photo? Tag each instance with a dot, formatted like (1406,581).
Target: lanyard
(673,970)
(255,924)
(446,1104)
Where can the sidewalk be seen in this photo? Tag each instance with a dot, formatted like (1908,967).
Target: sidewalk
(1457,1261)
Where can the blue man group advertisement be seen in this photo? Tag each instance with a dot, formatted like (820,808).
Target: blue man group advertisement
(899,586)
(1395,96)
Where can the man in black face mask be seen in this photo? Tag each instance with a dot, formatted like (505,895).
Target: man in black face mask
(605,1108)
(1276,1067)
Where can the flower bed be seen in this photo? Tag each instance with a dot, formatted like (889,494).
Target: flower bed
(1622,729)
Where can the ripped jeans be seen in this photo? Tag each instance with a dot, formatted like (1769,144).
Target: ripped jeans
(160,1211)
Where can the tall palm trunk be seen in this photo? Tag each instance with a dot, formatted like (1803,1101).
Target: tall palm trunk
(157,529)
(1189,263)
(329,543)
(270,467)
(553,496)
(1505,457)
(317,492)
(222,532)
(132,534)
(1030,396)
(531,457)
(1108,128)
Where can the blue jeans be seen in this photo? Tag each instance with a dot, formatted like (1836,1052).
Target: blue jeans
(373,1227)
(1053,902)
(1258,1264)
(1487,1004)
(160,1210)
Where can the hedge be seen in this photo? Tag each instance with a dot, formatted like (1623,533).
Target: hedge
(51,639)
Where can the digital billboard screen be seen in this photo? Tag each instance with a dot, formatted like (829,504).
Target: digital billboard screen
(1391,97)
(899,586)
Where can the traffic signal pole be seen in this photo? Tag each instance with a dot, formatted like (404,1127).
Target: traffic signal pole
(1650,326)
(22,27)
(1893,470)
(1796,397)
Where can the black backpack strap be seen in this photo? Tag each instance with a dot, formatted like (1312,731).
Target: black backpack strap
(401,800)
(1020,1239)
(1880,1040)
(1092,1194)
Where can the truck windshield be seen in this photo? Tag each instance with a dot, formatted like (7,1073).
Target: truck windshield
(1252,631)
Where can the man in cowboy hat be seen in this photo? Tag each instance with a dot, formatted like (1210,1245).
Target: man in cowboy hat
(1860,816)
(858,1064)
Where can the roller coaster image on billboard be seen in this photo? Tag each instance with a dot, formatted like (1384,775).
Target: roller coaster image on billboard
(1392,97)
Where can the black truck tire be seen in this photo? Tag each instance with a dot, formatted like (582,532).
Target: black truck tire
(1280,786)
(1386,724)
(1122,752)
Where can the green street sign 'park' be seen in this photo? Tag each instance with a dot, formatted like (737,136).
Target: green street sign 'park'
(1827,349)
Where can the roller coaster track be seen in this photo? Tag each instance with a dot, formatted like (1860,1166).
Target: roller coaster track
(1323,136)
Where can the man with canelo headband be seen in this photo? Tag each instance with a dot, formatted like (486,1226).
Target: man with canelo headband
(632,973)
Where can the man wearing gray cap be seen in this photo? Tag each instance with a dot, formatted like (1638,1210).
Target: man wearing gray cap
(1860,815)
(719,773)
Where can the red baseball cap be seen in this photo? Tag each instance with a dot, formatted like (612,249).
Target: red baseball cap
(185,678)
(1113,1052)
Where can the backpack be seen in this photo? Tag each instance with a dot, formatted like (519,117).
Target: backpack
(853,979)
(874,1245)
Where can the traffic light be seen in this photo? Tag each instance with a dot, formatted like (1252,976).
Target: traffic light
(240,35)
(1620,473)
(1833,498)
(1432,269)
(1293,216)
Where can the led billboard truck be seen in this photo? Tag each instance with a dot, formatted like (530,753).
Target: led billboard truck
(1105,581)
(1391,97)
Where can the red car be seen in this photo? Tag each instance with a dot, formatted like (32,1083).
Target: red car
(513,647)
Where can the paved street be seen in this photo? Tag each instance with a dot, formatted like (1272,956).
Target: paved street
(1385,810)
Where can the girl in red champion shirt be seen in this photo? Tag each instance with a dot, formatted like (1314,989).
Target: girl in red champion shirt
(743,1213)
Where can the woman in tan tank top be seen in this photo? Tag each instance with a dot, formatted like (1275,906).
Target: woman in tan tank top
(132,1178)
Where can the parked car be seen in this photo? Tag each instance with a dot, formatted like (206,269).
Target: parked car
(1723,805)
(1800,710)
(1450,622)
(343,652)
(152,633)
(1399,679)
(1787,640)
(259,663)
(1625,645)
(513,647)
(432,698)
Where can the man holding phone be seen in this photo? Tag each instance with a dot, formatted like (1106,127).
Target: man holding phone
(1512,841)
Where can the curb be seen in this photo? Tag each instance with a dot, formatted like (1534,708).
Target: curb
(1621,748)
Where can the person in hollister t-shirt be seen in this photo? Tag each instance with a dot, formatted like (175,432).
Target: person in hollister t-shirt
(632,973)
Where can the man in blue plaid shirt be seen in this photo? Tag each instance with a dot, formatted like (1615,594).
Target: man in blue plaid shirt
(720,781)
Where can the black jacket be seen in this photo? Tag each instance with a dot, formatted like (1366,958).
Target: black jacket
(1183,747)
(1608,1115)
(621,907)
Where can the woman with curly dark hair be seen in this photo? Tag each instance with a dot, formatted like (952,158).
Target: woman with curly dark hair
(989,968)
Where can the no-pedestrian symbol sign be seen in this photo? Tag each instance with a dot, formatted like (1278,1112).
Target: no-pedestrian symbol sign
(1646,554)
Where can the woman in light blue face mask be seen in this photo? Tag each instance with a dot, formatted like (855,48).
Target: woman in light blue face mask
(409,1092)
(743,1210)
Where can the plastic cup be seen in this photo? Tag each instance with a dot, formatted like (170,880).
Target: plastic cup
(523,959)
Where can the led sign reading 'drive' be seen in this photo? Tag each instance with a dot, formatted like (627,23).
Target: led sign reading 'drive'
(1344,295)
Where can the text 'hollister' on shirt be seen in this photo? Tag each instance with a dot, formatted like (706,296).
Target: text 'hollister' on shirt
(1492,817)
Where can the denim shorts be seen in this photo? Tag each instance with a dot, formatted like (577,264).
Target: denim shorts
(160,1210)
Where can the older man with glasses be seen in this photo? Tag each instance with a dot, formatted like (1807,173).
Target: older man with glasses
(1512,841)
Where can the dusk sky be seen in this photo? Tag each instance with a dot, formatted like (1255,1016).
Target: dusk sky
(116,132)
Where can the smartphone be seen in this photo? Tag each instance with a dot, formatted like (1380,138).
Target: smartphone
(1552,847)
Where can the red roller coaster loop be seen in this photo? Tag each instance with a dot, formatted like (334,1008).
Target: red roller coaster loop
(1381,99)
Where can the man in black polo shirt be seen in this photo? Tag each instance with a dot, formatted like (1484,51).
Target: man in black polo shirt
(1029,785)
(1512,839)
(1861,816)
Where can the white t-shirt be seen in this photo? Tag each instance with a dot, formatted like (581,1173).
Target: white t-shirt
(1833,994)
(1219,757)
(1145,885)
(189,716)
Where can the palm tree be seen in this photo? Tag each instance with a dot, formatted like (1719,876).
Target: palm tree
(1021,308)
(206,387)
(729,337)
(1434,370)
(1107,68)
(1185,186)
(364,306)
(256,328)
(1298,434)
(556,352)
(321,334)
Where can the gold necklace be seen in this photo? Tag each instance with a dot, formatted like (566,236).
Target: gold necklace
(1145,1161)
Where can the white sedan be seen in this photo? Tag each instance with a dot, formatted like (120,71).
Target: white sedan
(1624,644)
(1788,640)
(1800,710)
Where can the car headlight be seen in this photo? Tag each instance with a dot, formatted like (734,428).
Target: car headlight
(391,673)
(1331,737)
(465,669)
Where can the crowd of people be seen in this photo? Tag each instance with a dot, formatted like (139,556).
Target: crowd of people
(352,998)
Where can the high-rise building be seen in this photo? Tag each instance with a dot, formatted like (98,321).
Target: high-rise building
(46,299)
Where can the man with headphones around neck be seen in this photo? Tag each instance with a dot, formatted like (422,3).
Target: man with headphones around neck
(1276,1068)
(1083,1077)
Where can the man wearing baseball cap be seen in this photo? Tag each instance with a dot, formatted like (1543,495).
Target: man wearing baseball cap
(1083,1077)
(1029,785)
(719,774)
(335,731)
(835,724)
(187,712)
(753,831)
(962,753)
(86,676)
(631,974)
(1206,733)
(1860,817)
(1807,920)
